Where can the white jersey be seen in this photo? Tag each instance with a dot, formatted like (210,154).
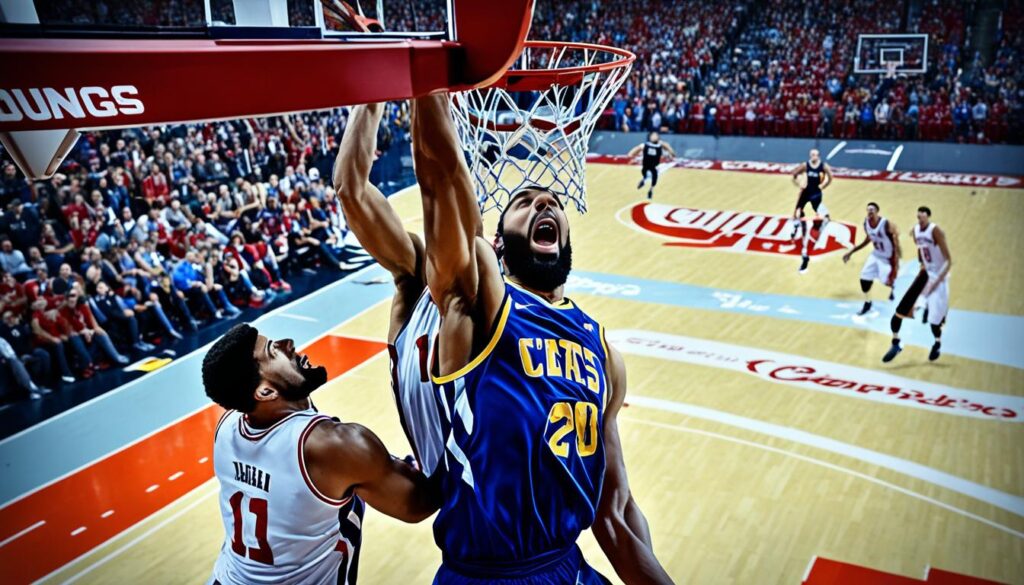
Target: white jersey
(931,254)
(279,527)
(880,238)
(410,381)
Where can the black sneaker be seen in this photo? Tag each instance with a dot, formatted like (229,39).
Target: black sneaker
(804,263)
(650,194)
(864,310)
(640,185)
(893,352)
(924,317)
(934,353)
(892,295)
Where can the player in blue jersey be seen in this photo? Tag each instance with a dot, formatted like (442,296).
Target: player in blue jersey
(529,385)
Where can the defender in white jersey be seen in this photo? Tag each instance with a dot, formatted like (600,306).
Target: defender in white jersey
(932,283)
(884,262)
(293,482)
(414,318)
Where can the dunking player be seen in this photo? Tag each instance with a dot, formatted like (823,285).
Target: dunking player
(654,149)
(932,282)
(819,176)
(531,386)
(294,519)
(884,262)
(414,318)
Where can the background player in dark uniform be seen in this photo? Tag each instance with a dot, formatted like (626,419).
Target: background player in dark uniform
(653,150)
(533,389)
(819,176)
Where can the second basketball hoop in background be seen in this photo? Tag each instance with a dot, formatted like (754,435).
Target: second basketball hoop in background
(533,125)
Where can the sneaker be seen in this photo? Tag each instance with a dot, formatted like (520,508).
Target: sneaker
(193,325)
(122,361)
(650,194)
(233,315)
(175,334)
(803,264)
(924,317)
(88,372)
(934,353)
(892,295)
(640,185)
(218,315)
(67,379)
(143,347)
(287,288)
(43,390)
(864,310)
(893,352)
(308,271)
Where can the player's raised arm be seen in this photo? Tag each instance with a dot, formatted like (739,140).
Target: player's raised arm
(452,222)
(633,152)
(345,458)
(620,527)
(368,213)
(668,149)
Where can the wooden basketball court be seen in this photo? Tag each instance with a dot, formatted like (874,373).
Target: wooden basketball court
(762,431)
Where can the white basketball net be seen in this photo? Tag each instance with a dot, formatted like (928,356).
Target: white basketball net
(513,139)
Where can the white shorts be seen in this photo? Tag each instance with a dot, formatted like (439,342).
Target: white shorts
(876,268)
(938,303)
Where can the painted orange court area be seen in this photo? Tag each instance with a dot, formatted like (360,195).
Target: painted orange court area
(72,516)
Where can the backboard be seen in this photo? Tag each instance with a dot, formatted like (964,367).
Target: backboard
(875,51)
(99,65)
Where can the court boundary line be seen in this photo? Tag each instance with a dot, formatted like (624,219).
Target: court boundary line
(179,359)
(146,534)
(833,467)
(988,495)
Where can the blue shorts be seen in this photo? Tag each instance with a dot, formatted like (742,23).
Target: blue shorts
(568,568)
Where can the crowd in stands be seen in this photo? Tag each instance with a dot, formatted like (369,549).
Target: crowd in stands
(786,68)
(147,234)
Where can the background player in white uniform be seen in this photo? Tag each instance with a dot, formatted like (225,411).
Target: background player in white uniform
(414,318)
(653,150)
(883,264)
(287,518)
(932,282)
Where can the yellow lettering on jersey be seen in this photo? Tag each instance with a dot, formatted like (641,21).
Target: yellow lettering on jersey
(525,345)
(560,412)
(593,378)
(552,354)
(572,351)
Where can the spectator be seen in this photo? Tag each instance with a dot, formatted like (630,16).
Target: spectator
(75,311)
(121,322)
(53,334)
(192,282)
(30,366)
(13,261)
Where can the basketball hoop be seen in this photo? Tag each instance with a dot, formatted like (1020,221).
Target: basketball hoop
(533,125)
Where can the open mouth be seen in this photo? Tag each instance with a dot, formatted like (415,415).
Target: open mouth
(304,363)
(545,235)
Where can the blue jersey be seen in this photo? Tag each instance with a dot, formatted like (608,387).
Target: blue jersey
(524,444)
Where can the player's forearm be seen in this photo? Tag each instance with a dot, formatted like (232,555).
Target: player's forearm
(633,559)
(441,167)
(637,522)
(355,155)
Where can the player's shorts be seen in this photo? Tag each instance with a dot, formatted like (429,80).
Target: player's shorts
(876,268)
(937,302)
(567,568)
(812,197)
(653,171)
